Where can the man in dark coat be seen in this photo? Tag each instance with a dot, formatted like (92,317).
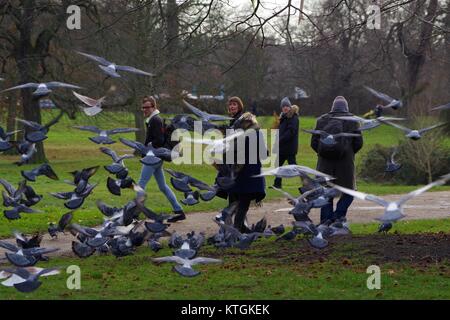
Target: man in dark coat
(341,167)
(246,188)
(288,135)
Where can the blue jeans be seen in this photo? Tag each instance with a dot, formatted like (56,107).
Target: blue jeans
(157,171)
(326,212)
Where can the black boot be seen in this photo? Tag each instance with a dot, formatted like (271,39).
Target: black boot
(179,215)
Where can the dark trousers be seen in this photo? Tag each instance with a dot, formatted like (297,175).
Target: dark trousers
(241,210)
(327,213)
(282,158)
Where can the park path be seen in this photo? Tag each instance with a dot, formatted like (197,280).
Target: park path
(431,205)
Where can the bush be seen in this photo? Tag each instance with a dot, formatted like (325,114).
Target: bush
(422,161)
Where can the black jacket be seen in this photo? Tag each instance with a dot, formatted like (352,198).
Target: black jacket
(342,169)
(155,132)
(288,133)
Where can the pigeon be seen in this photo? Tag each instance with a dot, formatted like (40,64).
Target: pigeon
(43,89)
(290,235)
(196,240)
(120,216)
(393,210)
(26,243)
(184,266)
(26,150)
(204,115)
(391,102)
(300,93)
(114,186)
(330,139)
(391,165)
(38,131)
(291,171)
(442,107)
(81,177)
(64,221)
(385,227)
(278,230)
(24,257)
(29,197)
(4,139)
(219,146)
(154,245)
(111,69)
(12,278)
(42,170)
(14,198)
(74,199)
(317,240)
(103,135)
(414,134)
(151,155)
(300,204)
(185,251)
(27,280)
(82,250)
(367,124)
(96,238)
(95,106)
(118,165)
(175,241)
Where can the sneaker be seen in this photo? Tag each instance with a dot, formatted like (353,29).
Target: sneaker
(179,215)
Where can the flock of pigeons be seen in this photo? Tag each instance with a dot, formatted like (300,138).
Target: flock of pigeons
(123,230)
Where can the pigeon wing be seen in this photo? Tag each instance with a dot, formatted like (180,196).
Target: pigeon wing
(98,59)
(88,128)
(134,70)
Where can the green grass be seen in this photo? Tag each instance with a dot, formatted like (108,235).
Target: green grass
(69,149)
(268,270)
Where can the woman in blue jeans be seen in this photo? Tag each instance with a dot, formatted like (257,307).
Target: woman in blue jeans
(155,135)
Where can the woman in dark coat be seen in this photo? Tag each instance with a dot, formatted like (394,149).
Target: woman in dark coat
(288,136)
(342,167)
(246,188)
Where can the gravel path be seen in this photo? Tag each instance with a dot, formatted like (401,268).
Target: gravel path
(431,205)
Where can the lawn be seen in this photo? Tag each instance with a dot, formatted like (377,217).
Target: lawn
(69,149)
(413,266)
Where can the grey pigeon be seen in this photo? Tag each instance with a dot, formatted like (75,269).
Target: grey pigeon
(95,105)
(31,282)
(291,171)
(151,155)
(43,89)
(184,266)
(5,138)
(393,210)
(391,102)
(43,170)
(64,221)
(204,115)
(330,139)
(391,164)
(103,135)
(367,124)
(111,69)
(414,134)
(442,107)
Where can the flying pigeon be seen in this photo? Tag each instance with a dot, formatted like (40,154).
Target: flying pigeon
(4,139)
(74,199)
(151,155)
(42,170)
(204,115)
(43,89)
(95,106)
(291,171)
(64,221)
(111,69)
(391,102)
(184,266)
(39,131)
(367,124)
(118,165)
(26,150)
(414,134)
(330,139)
(393,210)
(391,165)
(103,135)
(24,257)
(27,279)
(442,107)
